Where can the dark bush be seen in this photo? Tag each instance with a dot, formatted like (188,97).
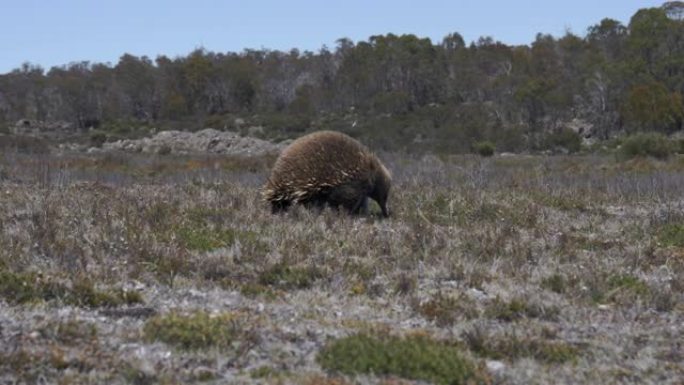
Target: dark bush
(484,148)
(646,144)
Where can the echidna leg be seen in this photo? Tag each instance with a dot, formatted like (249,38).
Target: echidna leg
(279,206)
(361,206)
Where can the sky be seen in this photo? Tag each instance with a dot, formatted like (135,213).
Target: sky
(56,32)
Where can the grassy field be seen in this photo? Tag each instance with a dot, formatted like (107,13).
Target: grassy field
(521,269)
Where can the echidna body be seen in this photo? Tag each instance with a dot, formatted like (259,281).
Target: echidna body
(327,168)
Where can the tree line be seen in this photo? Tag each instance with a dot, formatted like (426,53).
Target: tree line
(399,90)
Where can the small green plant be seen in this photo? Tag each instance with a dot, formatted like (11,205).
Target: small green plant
(415,357)
(205,238)
(646,144)
(263,372)
(625,283)
(484,148)
(617,288)
(671,235)
(556,283)
(287,277)
(194,331)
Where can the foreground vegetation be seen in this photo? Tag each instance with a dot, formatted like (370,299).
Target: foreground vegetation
(499,269)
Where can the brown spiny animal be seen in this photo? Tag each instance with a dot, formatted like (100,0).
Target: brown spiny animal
(327,168)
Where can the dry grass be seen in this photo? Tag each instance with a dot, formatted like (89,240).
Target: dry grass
(564,269)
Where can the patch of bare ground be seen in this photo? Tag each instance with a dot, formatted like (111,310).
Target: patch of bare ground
(159,269)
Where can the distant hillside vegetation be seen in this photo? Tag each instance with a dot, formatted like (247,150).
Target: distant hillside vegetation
(397,92)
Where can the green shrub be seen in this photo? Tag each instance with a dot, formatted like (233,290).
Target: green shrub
(415,358)
(646,144)
(485,148)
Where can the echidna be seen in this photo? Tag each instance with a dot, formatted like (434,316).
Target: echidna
(327,168)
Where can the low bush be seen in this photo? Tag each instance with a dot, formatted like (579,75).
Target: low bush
(414,357)
(646,144)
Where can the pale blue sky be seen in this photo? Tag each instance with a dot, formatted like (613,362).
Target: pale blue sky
(56,32)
